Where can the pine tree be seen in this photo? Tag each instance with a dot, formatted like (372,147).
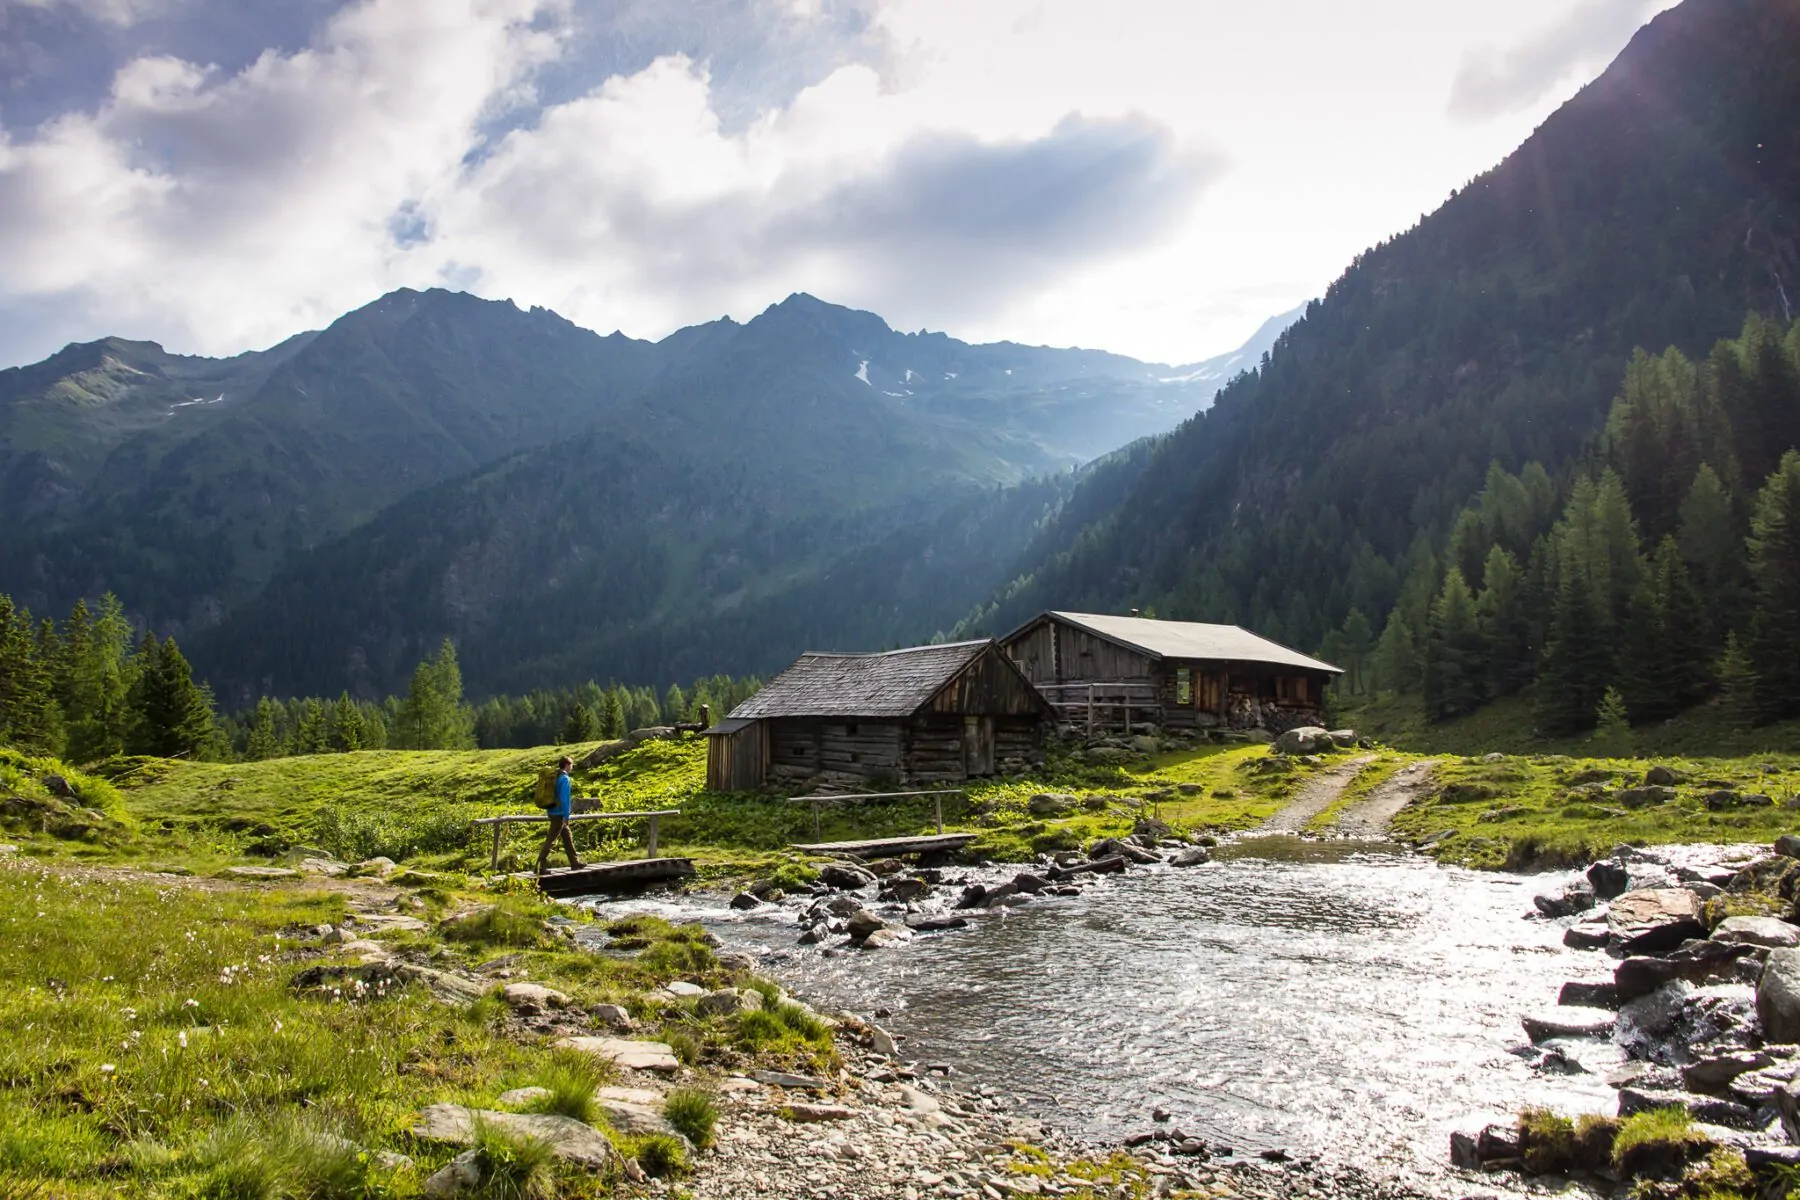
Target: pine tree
(172,715)
(434,713)
(1505,625)
(312,731)
(29,719)
(1711,546)
(675,705)
(1774,546)
(1737,685)
(346,732)
(1454,658)
(261,743)
(1612,726)
(1576,665)
(1399,665)
(612,714)
(1357,642)
(581,725)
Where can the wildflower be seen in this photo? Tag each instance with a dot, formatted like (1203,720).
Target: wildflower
(181,1039)
(190,1002)
(107,1068)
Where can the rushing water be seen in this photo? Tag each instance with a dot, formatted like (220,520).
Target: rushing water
(1327,997)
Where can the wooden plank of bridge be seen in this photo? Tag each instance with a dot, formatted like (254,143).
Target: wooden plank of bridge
(886,846)
(651,832)
(610,877)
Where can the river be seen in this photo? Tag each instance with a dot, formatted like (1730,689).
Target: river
(1337,998)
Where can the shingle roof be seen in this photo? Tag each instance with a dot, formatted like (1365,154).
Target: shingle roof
(894,684)
(1191,639)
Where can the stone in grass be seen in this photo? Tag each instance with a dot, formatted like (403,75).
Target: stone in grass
(520,1097)
(457,1177)
(1772,932)
(681,989)
(533,997)
(612,1015)
(636,1056)
(726,1001)
(262,872)
(782,1079)
(567,1138)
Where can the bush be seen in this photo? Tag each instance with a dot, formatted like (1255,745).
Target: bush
(1547,1141)
(572,1079)
(800,1021)
(693,1112)
(759,1028)
(507,923)
(686,1044)
(513,1167)
(1656,1143)
(355,834)
(660,1155)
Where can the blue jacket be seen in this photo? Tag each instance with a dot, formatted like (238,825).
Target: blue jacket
(563,807)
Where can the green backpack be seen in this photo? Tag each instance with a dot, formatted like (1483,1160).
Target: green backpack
(543,793)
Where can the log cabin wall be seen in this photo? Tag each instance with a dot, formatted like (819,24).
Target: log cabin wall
(738,761)
(1035,653)
(793,749)
(988,687)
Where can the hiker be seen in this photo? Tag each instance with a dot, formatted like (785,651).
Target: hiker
(558,811)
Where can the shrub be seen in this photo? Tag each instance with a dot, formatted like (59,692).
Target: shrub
(759,1028)
(1656,1143)
(1547,1141)
(693,1112)
(355,834)
(802,1022)
(572,1079)
(686,1044)
(507,923)
(513,1167)
(660,1155)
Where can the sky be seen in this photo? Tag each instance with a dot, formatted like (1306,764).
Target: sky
(1152,177)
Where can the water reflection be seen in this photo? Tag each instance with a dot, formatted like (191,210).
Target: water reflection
(1316,996)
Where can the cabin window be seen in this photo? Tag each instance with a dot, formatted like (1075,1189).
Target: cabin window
(1184,685)
(1291,689)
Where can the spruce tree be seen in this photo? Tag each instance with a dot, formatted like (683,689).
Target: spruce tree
(312,732)
(1577,665)
(261,743)
(1712,548)
(346,728)
(675,705)
(581,725)
(435,715)
(172,715)
(29,718)
(1774,546)
(612,714)
(1737,685)
(1612,726)
(1505,625)
(1455,663)
(1399,666)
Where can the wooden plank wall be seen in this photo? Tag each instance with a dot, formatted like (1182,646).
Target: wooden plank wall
(737,762)
(988,687)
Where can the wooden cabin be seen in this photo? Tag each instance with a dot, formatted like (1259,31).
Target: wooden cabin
(930,714)
(1110,672)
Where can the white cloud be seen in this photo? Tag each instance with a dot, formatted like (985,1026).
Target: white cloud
(1493,81)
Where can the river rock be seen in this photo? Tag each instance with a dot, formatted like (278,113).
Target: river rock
(566,1137)
(1116,847)
(815,933)
(1599,994)
(845,876)
(1640,975)
(884,937)
(633,1055)
(1029,884)
(881,868)
(862,923)
(811,1114)
(905,888)
(1655,919)
(839,905)
(533,997)
(1757,931)
(1718,1070)
(1778,995)
(1575,897)
(1305,739)
(1608,878)
(1051,804)
(1568,1021)
(1192,857)
(1587,935)
(1710,1110)
(744,902)
(726,1001)
(936,924)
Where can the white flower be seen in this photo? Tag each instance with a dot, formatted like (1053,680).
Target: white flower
(107,1068)
(182,1039)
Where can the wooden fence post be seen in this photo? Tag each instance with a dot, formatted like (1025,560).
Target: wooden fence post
(937,808)
(650,837)
(1090,732)
(497,828)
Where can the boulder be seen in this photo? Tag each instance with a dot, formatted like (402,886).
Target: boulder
(1788,845)
(1644,797)
(1639,975)
(1305,739)
(884,937)
(1028,883)
(1575,897)
(1719,1070)
(1589,935)
(1115,847)
(726,1001)
(905,888)
(457,1177)
(567,1138)
(936,924)
(845,876)
(1192,857)
(1663,776)
(635,1056)
(862,923)
(1568,1021)
(1772,932)
(1603,994)
(1150,829)
(522,1096)
(533,997)
(1608,878)
(744,902)
(1651,920)
(1343,739)
(1778,995)
(612,1015)
(1051,804)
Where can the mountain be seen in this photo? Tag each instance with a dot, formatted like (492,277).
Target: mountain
(1656,208)
(436,464)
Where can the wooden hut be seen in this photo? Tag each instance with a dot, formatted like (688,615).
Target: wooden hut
(1106,671)
(929,714)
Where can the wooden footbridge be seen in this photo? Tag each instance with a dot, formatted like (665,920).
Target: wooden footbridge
(891,847)
(628,875)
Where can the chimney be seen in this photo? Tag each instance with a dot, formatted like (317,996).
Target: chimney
(1136,613)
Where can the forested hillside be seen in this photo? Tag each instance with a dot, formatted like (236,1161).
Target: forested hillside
(1655,209)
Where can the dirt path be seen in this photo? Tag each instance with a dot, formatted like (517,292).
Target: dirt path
(1369,817)
(1315,796)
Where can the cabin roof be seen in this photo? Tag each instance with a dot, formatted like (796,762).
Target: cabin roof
(895,684)
(728,725)
(1186,639)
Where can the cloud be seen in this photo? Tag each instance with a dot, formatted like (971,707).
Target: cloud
(1489,83)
